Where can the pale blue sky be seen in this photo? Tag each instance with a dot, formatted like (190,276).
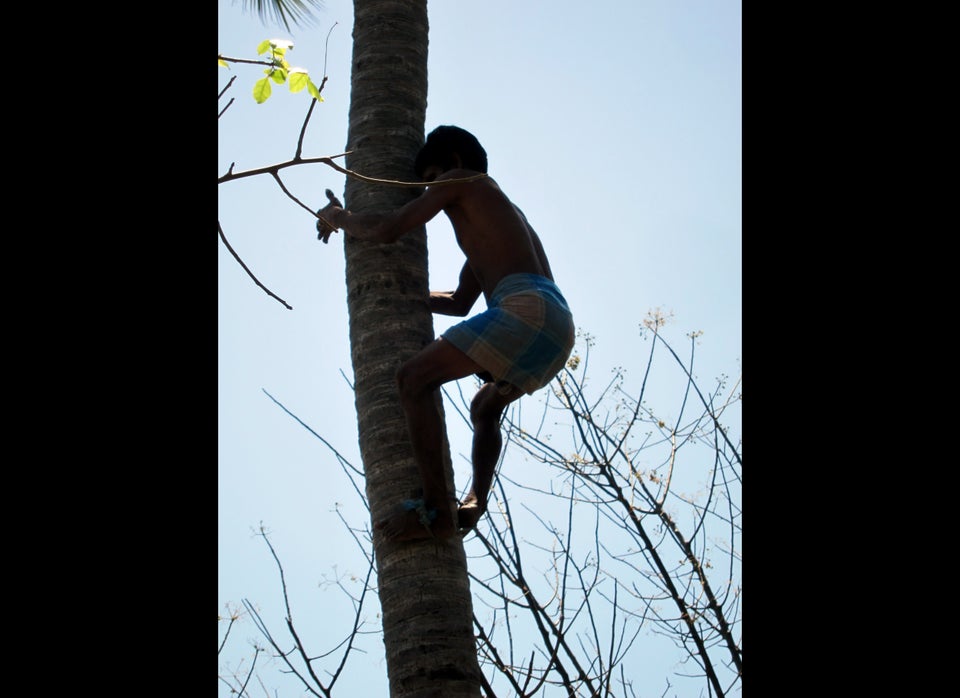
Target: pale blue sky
(615,126)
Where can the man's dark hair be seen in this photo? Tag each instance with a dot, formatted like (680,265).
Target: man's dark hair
(441,145)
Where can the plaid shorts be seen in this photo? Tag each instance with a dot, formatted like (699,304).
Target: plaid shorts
(525,336)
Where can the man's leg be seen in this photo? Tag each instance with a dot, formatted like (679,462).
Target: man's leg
(418,381)
(485,412)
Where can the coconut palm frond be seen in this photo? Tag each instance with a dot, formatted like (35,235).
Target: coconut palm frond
(287,12)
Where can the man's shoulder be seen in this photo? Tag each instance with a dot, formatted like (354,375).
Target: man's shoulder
(463,173)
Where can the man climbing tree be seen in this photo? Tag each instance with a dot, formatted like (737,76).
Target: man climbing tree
(516,346)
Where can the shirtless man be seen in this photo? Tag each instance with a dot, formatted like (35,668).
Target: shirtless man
(517,346)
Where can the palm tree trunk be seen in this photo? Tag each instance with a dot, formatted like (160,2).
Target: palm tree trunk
(423,586)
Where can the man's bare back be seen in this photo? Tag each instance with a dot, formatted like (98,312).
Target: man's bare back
(493,233)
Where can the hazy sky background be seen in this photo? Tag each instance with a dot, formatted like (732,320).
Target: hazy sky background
(615,126)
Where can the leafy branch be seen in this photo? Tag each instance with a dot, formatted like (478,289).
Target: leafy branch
(278,70)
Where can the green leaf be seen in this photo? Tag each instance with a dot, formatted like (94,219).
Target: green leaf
(263,46)
(314,90)
(298,79)
(261,90)
(222,63)
(279,76)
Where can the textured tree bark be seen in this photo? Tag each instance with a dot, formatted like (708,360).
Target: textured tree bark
(423,586)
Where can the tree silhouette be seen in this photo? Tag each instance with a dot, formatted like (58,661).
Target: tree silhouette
(625,523)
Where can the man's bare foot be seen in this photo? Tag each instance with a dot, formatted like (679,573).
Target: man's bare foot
(406,524)
(469,513)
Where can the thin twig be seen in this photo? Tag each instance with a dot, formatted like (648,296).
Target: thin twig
(250,273)
(243,60)
(227,86)
(328,160)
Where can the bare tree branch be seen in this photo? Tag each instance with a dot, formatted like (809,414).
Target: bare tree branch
(647,561)
(270,293)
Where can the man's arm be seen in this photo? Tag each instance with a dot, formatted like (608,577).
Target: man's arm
(384,227)
(460,301)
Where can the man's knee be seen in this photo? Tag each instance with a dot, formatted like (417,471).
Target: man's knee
(486,405)
(427,370)
(414,379)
